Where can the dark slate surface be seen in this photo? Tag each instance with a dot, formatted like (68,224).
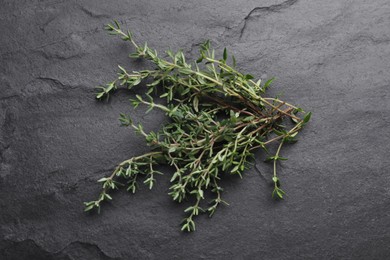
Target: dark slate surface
(331,57)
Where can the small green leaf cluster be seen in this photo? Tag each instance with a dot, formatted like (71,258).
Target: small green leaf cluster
(218,118)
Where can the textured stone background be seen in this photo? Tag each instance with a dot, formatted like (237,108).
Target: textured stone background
(331,57)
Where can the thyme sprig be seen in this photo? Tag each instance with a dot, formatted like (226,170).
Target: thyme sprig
(218,116)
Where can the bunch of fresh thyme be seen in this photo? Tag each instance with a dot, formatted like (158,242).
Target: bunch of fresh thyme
(218,118)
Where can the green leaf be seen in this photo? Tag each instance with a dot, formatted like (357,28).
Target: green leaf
(135,82)
(267,84)
(100,95)
(186,71)
(184,227)
(189,209)
(200,59)
(200,192)
(235,169)
(122,69)
(139,97)
(103,179)
(117,24)
(154,83)
(89,208)
(307,118)
(248,76)
(205,46)
(174,176)
(258,83)
(195,103)
(134,55)
(225,54)
(297,110)
(280,133)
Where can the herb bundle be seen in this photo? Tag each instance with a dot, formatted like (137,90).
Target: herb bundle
(218,117)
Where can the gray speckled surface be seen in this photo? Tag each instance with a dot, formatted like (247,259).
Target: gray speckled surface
(331,57)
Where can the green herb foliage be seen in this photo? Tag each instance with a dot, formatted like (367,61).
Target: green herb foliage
(218,117)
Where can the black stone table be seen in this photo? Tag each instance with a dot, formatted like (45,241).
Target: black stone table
(330,57)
